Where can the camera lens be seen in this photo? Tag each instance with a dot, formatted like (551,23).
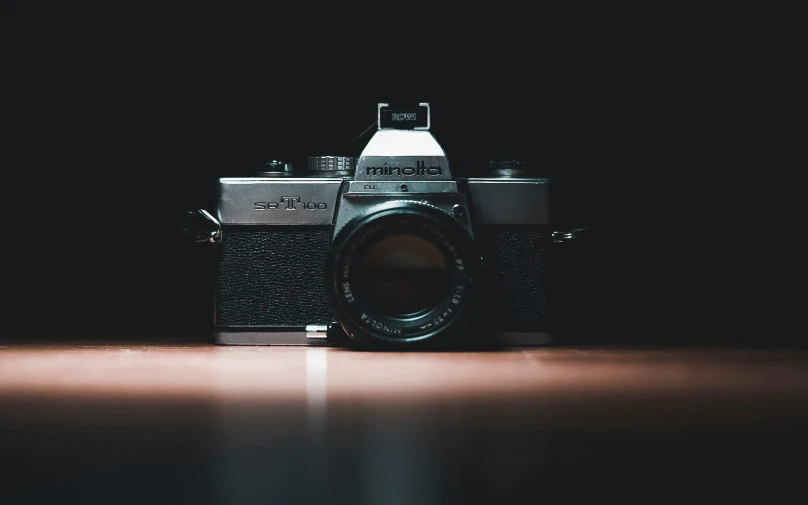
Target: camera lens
(402,275)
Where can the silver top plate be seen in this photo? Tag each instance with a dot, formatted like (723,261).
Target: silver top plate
(510,201)
(272,201)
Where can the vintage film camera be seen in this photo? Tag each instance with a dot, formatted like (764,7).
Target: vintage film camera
(385,251)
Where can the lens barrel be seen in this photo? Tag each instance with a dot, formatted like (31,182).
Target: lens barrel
(402,274)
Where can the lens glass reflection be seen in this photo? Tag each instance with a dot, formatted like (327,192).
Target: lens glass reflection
(402,275)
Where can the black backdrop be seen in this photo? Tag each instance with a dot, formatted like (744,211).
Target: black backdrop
(113,130)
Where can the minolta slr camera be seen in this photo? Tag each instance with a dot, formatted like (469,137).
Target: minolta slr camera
(385,251)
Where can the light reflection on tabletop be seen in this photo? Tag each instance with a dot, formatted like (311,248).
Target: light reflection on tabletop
(264,372)
(308,423)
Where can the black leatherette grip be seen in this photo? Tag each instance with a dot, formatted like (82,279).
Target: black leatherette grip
(272,276)
(515,262)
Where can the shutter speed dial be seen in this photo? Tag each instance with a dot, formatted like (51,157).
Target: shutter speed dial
(323,166)
(332,164)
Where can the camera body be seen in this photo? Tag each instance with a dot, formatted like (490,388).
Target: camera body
(388,250)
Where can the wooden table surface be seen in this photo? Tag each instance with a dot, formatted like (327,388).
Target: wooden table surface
(198,423)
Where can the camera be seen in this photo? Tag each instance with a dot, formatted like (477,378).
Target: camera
(388,250)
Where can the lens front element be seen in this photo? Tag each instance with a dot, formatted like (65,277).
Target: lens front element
(402,275)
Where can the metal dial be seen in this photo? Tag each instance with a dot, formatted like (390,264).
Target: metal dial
(332,163)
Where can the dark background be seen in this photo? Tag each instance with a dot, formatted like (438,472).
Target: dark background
(113,129)
(117,119)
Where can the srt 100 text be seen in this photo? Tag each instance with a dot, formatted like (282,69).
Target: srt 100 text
(290,203)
